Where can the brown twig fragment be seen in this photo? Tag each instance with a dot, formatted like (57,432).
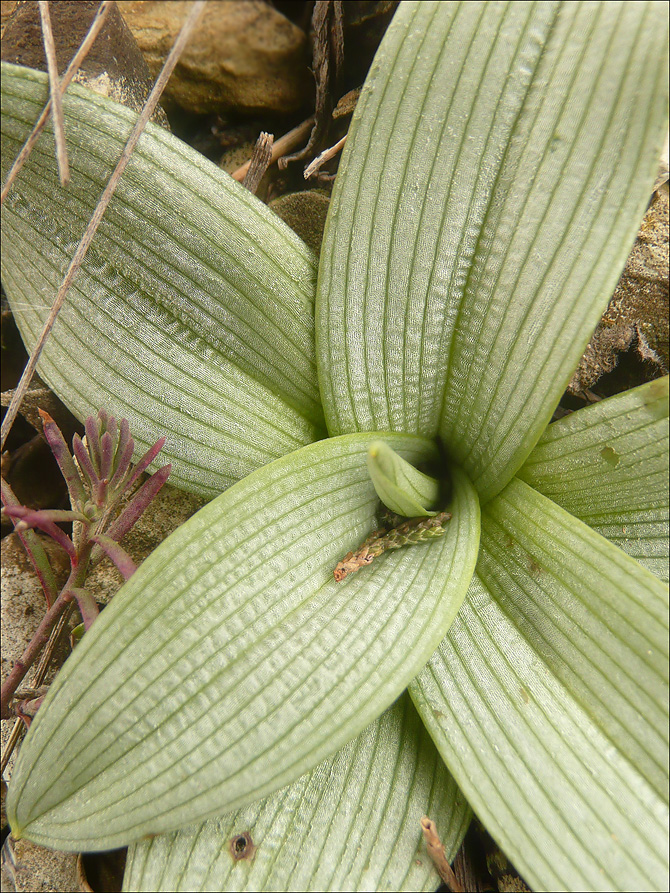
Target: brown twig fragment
(196,11)
(409,533)
(55,92)
(37,679)
(70,72)
(283,145)
(327,61)
(325,156)
(260,161)
(435,849)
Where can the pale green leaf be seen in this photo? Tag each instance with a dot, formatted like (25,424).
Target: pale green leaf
(548,700)
(350,824)
(401,487)
(232,662)
(192,315)
(498,165)
(607,464)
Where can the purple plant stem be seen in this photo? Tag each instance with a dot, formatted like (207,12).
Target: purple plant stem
(93,442)
(138,504)
(106,455)
(68,469)
(37,642)
(88,607)
(58,516)
(124,452)
(124,455)
(21,667)
(145,461)
(84,460)
(34,550)
(118,554)
(41,519)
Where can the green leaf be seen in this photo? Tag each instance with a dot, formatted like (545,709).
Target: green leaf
(401,487)
(498,165)
(350,824)
(192,315)
(548,700)
(232,662)
(607,464)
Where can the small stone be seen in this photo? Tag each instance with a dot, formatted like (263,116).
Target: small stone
(305,212)
(244,56)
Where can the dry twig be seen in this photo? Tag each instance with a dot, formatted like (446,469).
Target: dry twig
(325,156)
(151,103)
(283,145)
(55,92)
(37,679)
(435,849)
(70,72)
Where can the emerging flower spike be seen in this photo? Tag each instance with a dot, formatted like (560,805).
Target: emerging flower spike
(409,533)
(401,487)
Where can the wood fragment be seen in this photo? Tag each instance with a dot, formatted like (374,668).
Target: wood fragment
(280,147)
(347,104)
(194,16)
(325,156)
(327,61)
(259,162)
(55,93)
(435,849)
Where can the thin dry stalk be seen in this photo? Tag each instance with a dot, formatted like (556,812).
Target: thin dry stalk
(435,849)
(38,678)
(325,156)
(283,145)
(55,92)
(149,107)
(70,72)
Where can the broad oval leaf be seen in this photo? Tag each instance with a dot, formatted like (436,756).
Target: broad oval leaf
(352,823)
(192,315)
(498,165)
(232,662)
(607,464)
(548,700)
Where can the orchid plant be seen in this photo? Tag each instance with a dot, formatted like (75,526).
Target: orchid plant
(239,715)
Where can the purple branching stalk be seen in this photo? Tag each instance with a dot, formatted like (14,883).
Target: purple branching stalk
(84,460)
(98,479)
(40,519)
(56,442)
(92,428)
(88,607)
(117,553)
(34,549)
(138,504)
